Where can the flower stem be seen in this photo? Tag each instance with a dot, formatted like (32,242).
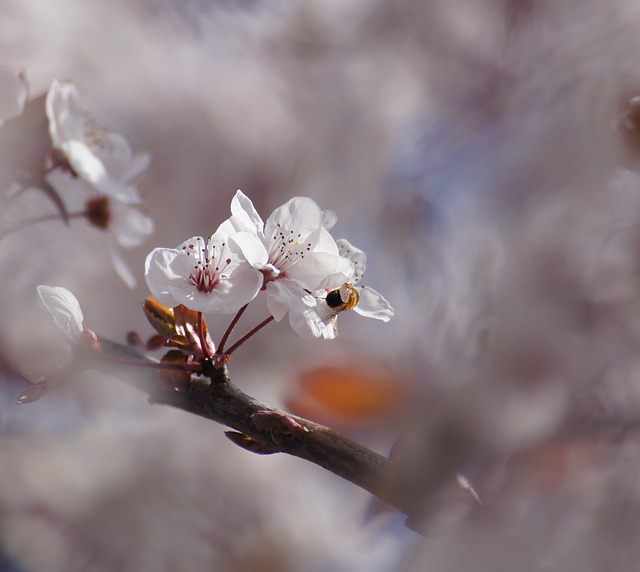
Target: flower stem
(244,338)
(232,324)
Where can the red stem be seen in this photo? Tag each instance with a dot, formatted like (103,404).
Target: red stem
(232,324)
(244,338)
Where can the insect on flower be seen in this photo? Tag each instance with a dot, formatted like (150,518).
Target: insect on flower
(344,298)
(340,299)
(340,292)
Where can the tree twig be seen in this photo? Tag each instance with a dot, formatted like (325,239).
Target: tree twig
(261,428)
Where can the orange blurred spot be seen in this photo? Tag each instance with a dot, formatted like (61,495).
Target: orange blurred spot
(349,394)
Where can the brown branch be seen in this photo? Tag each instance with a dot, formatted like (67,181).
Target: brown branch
(260,428)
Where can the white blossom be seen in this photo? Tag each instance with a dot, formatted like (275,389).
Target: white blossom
(205,276)
(101,158)
(343,291)
(297,253)
(103,161)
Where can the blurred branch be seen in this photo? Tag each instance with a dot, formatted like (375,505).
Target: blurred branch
(259,428)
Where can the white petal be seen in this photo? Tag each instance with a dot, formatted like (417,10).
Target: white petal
(244,284)
(307,324)
(130,226)
(321,261)
(122,268)
(277,302)
(245,215)
(66,118)
(356,256)
(323,242)
(84,162)
(329,329)
(159,275)
(65,309)
(316,267)
(330,282)
(122,192)
(225,231)
(115,153)
(373,305)
(300,215)
(252,248)
(138,165)
(286,295)
(329,219)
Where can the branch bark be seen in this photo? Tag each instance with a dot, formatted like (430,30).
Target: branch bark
(260,428)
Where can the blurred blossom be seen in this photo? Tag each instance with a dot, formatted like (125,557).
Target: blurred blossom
(64,309)
(101,158)
(105,162)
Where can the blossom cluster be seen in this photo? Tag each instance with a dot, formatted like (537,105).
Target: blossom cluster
(74,154)
(292,257)
(103,160)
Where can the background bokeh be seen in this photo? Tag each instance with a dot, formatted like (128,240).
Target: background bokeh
(484,153)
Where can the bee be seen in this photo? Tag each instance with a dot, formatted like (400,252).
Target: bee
(341,299)
(344,298)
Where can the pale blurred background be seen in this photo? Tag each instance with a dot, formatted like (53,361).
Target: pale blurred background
(479,152)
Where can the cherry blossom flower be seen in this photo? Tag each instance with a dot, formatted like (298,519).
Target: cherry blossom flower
(341,291)
(211,276)
(101,158)
(297,253)
(104,163)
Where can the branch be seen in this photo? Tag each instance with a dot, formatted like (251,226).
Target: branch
(260,428)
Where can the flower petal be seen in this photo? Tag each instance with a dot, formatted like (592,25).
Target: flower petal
(373,305)
(64,308)
(66,118)
(245,215)
(331,282)
(160,274)
(329,219)
(319,258)
(252,248)
(307,324)
(285,295)
(299,215)
(356,256)
(130,226)
(84,162)
(122,268)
